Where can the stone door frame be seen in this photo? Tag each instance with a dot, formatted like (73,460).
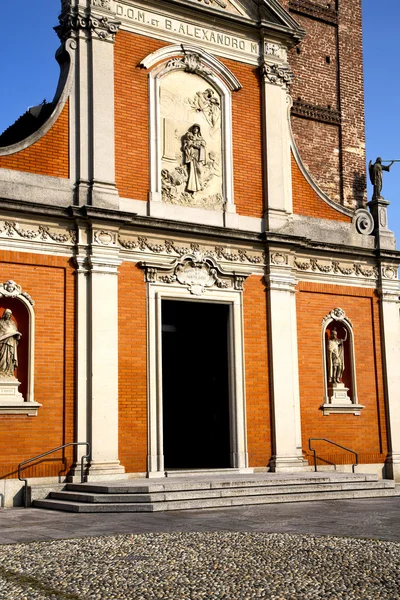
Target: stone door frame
(237,401)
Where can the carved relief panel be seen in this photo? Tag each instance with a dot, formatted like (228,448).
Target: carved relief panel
(190,135)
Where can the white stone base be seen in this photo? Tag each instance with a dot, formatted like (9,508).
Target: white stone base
(289,464)
(340,402)
(104,471)
(12,401)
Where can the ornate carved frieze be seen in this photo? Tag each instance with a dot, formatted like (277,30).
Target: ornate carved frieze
(73,21)
(312,9)
(190,63)
(197,272)
(336,267)
(43,233)
(170,247)
(277,74)
(10,289)
(324,114)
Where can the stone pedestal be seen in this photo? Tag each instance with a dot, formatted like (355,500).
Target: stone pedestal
(9,390)
(384,237)
(340,402)
(338,394)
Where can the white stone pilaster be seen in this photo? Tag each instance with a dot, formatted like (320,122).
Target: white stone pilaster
(277,163)
(90,32)
(390,323)
(103,354)
(287,441)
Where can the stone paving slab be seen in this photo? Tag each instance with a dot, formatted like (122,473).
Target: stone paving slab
(368,518)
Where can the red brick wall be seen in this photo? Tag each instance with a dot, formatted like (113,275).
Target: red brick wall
(50,281)
(132,369)
(132,114)
(307,203)
(247,140)
(48,156)
(365,434)
(256,372)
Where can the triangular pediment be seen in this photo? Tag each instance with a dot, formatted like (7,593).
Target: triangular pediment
(267,13)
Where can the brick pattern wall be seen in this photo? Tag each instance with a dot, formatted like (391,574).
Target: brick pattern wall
(328,70)
(51,283)
(367,433)
(48,156)
(307,203)
(132,114)
(132,322)
(247,140)
(256,372)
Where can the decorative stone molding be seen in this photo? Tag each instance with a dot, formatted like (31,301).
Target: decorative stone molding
(196,271)
(42,233)
(339,402)
(190,63)
(10,289)
(277,74)
(272,49)
(363,221)
(278,258)
(312,9)
(73,21)
(336,267)
(170,247)
(105,238)
(219,3)
(101,4)
(324,114)
(389,273)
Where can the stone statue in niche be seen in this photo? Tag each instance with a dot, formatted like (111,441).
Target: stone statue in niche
(191,140)
(336,356)
(194,149)
(9,338)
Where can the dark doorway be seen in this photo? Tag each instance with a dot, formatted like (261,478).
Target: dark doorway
(195,385)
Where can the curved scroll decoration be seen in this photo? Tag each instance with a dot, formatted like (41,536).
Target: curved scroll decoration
(340,389)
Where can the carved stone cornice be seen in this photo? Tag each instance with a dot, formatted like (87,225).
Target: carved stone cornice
(316,113)
(314,10)
(73,21)
(277,74)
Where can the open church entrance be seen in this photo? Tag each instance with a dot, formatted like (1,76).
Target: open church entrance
(195,385)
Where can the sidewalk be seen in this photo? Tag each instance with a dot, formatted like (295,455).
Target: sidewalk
(365,518)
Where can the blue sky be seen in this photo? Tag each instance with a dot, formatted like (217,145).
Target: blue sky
(29,73)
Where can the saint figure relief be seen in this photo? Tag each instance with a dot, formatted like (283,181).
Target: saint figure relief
(194,150)
(336,356)
(9,338)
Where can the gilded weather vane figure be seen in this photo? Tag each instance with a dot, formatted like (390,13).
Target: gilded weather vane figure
(375,174)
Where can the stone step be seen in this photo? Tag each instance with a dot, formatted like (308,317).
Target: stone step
(100,498)
(164,485)
(220,502)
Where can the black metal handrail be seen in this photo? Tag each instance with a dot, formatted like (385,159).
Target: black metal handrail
(333,444)
(25,462)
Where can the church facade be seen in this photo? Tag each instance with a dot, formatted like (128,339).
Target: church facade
(191,277)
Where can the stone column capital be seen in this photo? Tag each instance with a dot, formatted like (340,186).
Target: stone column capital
(277,74)
(75,21)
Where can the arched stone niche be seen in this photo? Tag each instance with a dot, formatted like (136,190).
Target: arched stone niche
(190,129)
(340,385)
(17,390)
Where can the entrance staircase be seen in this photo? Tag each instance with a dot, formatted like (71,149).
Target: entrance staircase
(212,491)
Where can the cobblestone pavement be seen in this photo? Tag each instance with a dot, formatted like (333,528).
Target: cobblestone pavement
(334,550)
(201,565)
